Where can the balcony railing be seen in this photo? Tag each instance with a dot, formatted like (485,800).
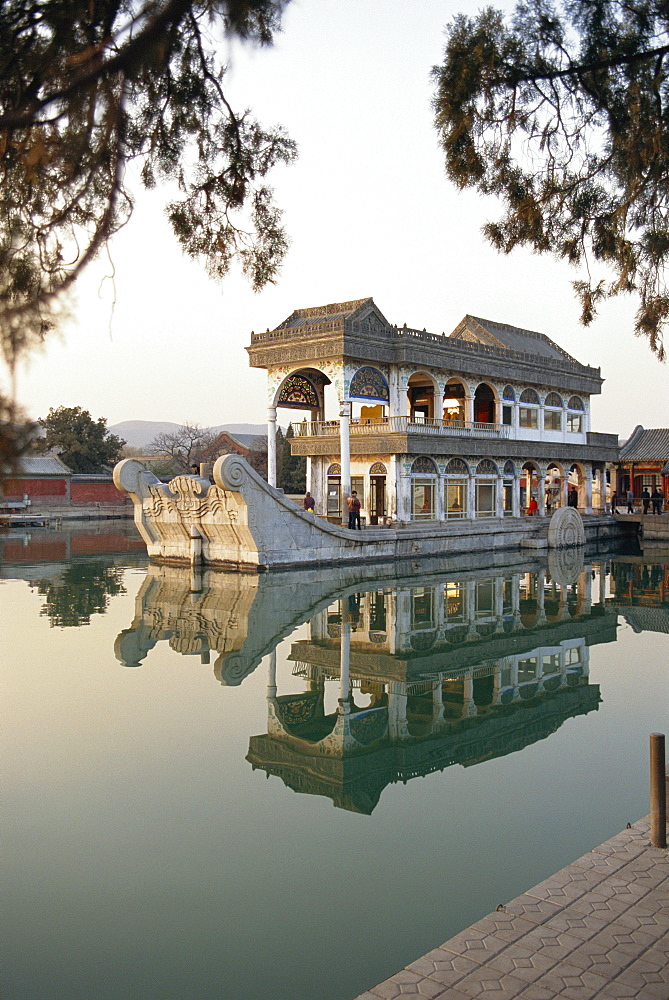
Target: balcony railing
(404,425)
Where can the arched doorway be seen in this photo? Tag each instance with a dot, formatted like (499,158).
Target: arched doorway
(529,486)
(377,493)
(421,398)
(484,404)
(454,402)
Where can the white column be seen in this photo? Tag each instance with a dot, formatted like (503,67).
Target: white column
(469,408)
(541,492)
(310,485)
(471,496)
(588,490)
(271,445)
(516,495)
(345,447)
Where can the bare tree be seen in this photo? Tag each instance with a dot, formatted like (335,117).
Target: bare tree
(184,446)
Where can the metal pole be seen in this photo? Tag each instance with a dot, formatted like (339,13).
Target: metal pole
(658,792)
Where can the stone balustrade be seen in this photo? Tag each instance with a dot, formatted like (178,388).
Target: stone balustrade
(404,425)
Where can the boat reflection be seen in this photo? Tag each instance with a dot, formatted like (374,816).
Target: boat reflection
(397,677)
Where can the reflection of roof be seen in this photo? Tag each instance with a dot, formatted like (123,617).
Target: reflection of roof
(41,465)
(509,338)
(646,445)
(644,619)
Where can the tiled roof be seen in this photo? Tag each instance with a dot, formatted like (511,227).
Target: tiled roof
(316,314)
(41,465)
(643,619)
(510,338)
(646,445)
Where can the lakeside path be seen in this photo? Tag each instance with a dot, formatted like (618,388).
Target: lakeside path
(597,930)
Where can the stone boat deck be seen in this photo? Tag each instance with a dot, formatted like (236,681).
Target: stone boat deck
(597,930)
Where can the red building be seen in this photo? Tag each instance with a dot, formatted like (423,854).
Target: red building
(644,462)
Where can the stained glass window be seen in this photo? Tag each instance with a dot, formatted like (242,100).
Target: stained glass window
(423,466)
(456,467)
(553,399)
(368,383)
(575,403)
(509,468)
(378,469)
(335,469)
(509,393)
(486,468)
(529,396)
(297,391)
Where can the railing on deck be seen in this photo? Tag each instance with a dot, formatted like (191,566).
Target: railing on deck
(404,425)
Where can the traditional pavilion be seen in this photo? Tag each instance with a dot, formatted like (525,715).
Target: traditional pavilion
(426,426)
(644,462)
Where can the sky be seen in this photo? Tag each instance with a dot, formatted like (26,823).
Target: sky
(369,212)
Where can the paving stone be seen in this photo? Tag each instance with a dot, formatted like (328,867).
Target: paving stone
(521,962)
(532,909)
(607,863)
(534,992)
(600,955)
(475,945)
(567,980)
(569,884)
(551,942)
(623,846)
(492,984)
(649,976)
(407,984)
(631,941)
(443,966)
(638,917)
(506,926)
(581,925)
(606,907)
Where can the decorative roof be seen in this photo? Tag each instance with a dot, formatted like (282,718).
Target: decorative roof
(317,314)
(646,445)
(508,338)
(41,465)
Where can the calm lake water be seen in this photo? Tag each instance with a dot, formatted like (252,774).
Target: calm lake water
(198,804)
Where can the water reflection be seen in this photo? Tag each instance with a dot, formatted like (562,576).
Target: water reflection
(77,570)
(397,677)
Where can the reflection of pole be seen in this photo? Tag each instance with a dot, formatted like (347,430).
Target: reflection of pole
(658,792)
(271,680)
(344,662)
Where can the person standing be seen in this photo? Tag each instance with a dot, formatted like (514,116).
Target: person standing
(645,496)
(572,499)
(630,501)
(309,503)
(657,499)
(614,502)
(353,505)
(533,508)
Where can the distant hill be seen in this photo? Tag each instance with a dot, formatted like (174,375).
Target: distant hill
(140,433)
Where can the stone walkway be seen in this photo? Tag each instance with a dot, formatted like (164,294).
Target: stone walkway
(598,930)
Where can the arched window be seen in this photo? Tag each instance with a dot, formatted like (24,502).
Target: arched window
(553,418)
(487,467)
(377,469)
(486,489)
(528,416)
(298,392)
(457,467)
(334,469)
(575,420)
(423,496)
(455,489)
(369,383)
(509,473)
(423,466)
(509,393)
